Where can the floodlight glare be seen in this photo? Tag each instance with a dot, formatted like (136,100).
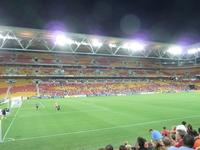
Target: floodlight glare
(175,50)
(96,43)
(112,45)
(63,40)
(126,46)
(192,51)
(135,46)
(1,36)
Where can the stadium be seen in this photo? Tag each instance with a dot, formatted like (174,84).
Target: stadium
(109,90)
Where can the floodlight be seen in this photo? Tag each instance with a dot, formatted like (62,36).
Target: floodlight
(175,50)
(126,46)
(135,46)
(62,40)
(192,51)
(112,45)
(96,43)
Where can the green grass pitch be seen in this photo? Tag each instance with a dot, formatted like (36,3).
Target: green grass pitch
(93,122)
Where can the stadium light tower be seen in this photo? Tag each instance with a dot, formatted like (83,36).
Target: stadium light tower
(137,46)
(134,45)
(112,45)
(96,43)
(175,50)
(62,40)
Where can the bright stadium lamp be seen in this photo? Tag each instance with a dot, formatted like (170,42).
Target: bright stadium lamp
(175,50)
(135,46)
(62,40)
(1,36)
(96,43)
(193,51)
(112,45)
(126,46)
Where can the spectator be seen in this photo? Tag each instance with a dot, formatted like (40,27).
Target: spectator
(109,147)
(190,130)
(196,144)
(122,147)
(165,132)
(173,132)
(181,127)
(179,138)
(196,141)
(168,143)
(128,147)
(188,142)
(155,135)
(159,145)
(184,123)
(141,144)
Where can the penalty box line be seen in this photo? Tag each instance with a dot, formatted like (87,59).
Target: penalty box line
(8,129)
(103,129)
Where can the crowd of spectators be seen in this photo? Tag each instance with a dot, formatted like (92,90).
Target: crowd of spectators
(181,137)
(111,88)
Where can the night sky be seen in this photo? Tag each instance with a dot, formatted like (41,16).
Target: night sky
(176,21)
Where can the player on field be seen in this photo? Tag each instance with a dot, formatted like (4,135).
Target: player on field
(3,112)
(57,106)
(36,106)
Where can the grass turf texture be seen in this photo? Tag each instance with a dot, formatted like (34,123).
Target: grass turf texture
(91,123)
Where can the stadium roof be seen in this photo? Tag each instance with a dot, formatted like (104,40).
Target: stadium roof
(25,39)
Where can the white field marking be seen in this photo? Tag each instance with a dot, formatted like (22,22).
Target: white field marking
(11,124)
(107,128)
(59,113)
(42,104)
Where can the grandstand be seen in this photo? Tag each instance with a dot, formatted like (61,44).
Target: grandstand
(36,55)
(37,64)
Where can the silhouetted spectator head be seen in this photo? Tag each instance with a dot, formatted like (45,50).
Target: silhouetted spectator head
(184,123)
(141,142)
(109,147)
(150,130)
(189,127)
(122,147)
(188,140)
(195,133)
(190,130)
